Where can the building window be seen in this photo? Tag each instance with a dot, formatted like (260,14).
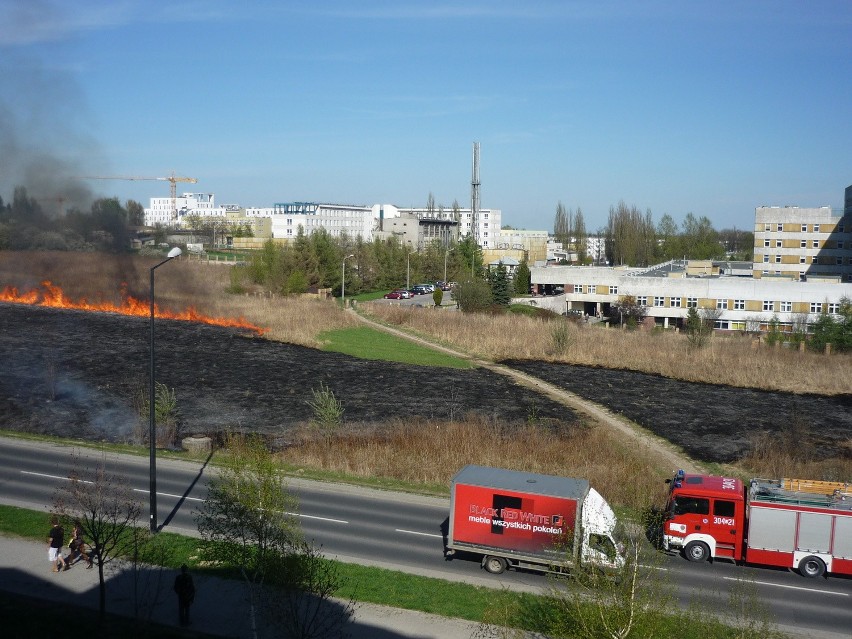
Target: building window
(777,259)
(739,305)
(816,244)
(765,243)
(642,300)
(578,288)
(786,307)
(767,227)
(814,260)
(691,302)
(768,305)
(839,261)
(777,243)
(659,301)
(804,228)
(816,307)
(613,290)
(803,244)
(780,227)
(766,258)
(674,302)
(816,228)
(840,245)
(802,259)
(590,288)
(834,308)
(722,304)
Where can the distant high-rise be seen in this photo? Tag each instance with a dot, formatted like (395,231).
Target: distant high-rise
(847,209)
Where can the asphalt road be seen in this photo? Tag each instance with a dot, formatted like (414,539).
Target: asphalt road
(404,532)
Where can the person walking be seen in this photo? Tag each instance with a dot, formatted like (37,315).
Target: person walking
(185,590)
(78,546)
(55,539)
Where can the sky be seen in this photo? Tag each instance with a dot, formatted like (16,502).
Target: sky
(710,108)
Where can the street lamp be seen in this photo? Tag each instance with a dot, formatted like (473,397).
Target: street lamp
(343,281)
(152,430)
(408,270)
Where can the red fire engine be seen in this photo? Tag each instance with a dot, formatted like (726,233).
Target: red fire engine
(792,523)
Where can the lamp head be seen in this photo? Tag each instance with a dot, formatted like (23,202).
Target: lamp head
(174,252)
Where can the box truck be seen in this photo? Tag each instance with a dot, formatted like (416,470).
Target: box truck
(514,519)
(792,523)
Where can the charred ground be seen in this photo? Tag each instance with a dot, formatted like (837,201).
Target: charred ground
(75,374)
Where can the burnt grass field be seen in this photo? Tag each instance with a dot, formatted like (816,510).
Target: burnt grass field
(75,373)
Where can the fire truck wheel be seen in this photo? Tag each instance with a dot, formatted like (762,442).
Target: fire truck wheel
(697,551)
(494,565)
(812,567)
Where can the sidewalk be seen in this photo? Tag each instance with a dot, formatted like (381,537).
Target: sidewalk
(25,569)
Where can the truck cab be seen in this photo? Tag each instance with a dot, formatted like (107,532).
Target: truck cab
(705,517)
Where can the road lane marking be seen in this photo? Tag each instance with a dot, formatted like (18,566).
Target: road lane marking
(766,583)
(333,521)
(422,534)
(27,472)
(159,494)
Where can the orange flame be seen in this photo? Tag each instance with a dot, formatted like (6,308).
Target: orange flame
(52,296)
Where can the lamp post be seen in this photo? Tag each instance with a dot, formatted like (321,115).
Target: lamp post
(343,281)
(408,270)
(152,430)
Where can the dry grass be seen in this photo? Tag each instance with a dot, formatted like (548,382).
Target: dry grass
(732,360)
(178,286)
(625,475)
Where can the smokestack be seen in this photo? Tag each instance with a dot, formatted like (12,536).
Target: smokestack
(474,194)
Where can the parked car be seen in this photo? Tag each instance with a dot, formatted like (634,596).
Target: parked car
(419,290)
(398,294)
(430,288)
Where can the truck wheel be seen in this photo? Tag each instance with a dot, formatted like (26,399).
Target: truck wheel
(697,551)
(494,565)
(811,567)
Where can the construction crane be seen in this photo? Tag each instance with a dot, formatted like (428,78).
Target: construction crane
(171,179)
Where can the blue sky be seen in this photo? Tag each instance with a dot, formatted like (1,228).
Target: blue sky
(704,107)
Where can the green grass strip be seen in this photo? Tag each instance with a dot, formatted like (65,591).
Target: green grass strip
(368,343)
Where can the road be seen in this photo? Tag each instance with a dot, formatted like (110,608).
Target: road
(404,532)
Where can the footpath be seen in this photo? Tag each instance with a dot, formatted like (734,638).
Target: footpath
(25,570)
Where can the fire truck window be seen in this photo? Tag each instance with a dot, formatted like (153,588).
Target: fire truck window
(691,505)
(723,508)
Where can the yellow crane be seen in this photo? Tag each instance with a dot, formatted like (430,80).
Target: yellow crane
(171,179)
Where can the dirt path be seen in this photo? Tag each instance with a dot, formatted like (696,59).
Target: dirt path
(665,451)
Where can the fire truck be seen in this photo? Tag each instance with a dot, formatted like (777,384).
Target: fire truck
(789,523)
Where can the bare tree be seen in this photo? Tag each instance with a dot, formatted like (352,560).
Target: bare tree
(107,509)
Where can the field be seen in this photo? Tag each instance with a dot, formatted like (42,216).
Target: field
(81,374)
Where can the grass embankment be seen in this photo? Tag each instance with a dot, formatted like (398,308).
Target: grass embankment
(524,611)
(367,343)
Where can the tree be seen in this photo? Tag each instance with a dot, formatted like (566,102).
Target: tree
(700,324)
(473,295)
(668,239)
(628,311)
(523,278)
(135,213)
(499,281)
(630,236)
(248,521)
(562,227)
(580,236)
(107,510)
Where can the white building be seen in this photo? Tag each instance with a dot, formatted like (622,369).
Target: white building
(161,209)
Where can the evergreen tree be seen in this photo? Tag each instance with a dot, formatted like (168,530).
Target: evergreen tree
(499,280)
(522,279)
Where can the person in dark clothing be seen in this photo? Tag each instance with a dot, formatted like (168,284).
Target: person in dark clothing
(55,539)
(185,590)
(78,547)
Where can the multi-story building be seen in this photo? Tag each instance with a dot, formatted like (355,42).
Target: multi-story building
(740,303)
(803,243)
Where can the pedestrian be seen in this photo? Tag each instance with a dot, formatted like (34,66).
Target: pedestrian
(55,539)
(78,546)
(185,590)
